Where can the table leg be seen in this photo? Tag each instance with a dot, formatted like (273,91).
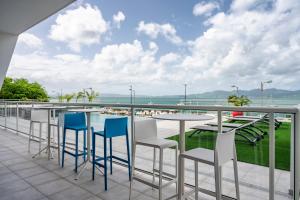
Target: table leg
(181,149)
(49,134)
(88,160)
(88,117)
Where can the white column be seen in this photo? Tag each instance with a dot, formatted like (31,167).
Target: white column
(7,46)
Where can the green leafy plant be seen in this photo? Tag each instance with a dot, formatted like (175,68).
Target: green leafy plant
(80,95)
(91,95)
(238,101)
(61,98)
(69,97)
(22,89)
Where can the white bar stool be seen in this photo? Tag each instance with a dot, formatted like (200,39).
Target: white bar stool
(224,152)
(146,135)
(41,117)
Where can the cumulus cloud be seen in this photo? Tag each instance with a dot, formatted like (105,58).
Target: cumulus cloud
(243,48)
(30,40)
(153,30)
(205,8)
(118,18)
(84,25)
(249,46)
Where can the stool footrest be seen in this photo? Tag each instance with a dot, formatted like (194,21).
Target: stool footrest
(152,184)
(165,173)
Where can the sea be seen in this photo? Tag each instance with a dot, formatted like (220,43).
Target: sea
(285,102)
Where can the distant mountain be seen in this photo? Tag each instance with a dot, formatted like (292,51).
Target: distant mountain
(255,93)
(222,94)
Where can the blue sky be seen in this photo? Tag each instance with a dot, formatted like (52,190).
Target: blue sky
(157,46)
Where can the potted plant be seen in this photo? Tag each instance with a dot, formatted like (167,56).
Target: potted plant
(238,101)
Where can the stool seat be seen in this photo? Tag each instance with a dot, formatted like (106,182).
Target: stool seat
(156,142)
(223,152)
(75,122)
(145,134)
(76,128)
(201,155)
(113,127)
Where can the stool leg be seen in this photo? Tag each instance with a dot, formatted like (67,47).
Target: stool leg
(63,149)
(180,178)
(128,156)
(196,180)
(40,139)
(110,154)
(76,152)
(58,144)
(30,136)
(160,173)
(154,164)
(132,169)
(176,167)
(217,182)
(105,163)
(236,177)
(84,145)
(94,152)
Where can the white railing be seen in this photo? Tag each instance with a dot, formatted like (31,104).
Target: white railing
(294,113)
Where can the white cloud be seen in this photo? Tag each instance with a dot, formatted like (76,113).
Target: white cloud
(243,5)
(30,40)
(246,47)
(81,26)
(68,57)
(118,18)
(205,8)
(240,48)
(153,30)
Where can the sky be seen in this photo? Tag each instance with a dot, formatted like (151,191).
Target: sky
(158,46)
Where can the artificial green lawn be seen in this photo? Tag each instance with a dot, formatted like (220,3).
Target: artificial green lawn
(255,154)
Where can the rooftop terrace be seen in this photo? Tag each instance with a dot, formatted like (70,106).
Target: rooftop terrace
(22,177)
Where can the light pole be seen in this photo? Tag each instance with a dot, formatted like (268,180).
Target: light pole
(133,97)
(185,85)
(237,89)
(131,93)
(262,83)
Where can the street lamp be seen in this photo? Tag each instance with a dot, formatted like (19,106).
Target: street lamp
(237,89)
(131,93)
(185,85)
(262,83)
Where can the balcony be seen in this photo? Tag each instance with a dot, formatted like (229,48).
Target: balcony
(40,178)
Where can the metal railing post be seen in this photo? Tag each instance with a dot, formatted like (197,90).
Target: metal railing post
(219,121)
(296,158)
(292,155)
(271,156)
(132,132)
(17,118)
(5,115)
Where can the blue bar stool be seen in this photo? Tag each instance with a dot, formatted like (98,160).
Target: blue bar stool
(113,127)
(75,122)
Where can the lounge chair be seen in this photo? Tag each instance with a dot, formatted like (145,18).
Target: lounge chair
(249,136)
(264,119)
(250,126)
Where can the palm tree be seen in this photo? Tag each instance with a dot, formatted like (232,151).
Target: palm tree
(61,98)
(80,95)
(69,97)
(238,101)
(91,95)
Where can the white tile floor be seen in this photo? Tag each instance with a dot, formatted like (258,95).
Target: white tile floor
(22,177)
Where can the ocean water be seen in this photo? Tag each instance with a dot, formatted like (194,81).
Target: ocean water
(198,101)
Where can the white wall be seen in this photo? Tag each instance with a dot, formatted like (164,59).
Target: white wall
(7,46)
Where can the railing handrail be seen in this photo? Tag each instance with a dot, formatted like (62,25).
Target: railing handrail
(291,110)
